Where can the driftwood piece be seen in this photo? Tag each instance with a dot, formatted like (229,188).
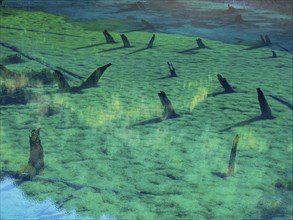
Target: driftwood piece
(169,111)
(151,42)
(225,84)
(125,40)
(266,112)
(231,166)
(36,159)
(109,38)
(91,81)
(200,44)
(172,70)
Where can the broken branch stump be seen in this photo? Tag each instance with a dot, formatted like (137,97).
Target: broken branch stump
(265,109)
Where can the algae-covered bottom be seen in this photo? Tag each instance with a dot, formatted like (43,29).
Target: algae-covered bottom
(154,171)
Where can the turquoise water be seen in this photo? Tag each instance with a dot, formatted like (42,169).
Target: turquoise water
(98,168)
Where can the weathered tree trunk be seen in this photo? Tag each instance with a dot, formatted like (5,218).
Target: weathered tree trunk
(169,111)
(225,84)
(36,160)
(266,112)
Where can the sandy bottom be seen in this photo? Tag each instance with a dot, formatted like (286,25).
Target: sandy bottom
(154,171)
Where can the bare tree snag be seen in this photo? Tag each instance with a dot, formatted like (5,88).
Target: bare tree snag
(36,159)
(225,84)
(125,41)
(109,38)
(200,44)
(266,112)
(172,70)
(169,111)
(151,42)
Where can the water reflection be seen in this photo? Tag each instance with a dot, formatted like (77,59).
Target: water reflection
(14,205)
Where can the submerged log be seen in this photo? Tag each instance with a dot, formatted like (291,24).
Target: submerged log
(225,84)
(266,112)
(109,38)
(169,111)
(36,159)
(200,44)
(151,42)
(125,40)
(91,81)
(172,70)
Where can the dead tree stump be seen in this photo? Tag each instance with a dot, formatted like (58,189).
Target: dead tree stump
(265,109)
(231,167)
(200,44)
(62,82)
(109,38)
(172,70)
(151,42)
(36,159)
(125,40)
(225,84)
(169,111)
